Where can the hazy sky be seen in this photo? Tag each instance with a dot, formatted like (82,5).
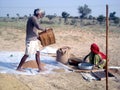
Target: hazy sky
(26,7)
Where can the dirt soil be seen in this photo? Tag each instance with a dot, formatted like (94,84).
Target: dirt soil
(79,41)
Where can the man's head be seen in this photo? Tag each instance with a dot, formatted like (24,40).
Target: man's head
(39,13)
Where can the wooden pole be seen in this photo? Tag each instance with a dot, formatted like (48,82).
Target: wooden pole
(107,27)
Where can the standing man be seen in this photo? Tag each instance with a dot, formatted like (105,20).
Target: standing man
(32,43)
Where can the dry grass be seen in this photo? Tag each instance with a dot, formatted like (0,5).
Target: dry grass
(79,39)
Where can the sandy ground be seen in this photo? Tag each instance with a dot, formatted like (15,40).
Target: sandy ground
(79,40)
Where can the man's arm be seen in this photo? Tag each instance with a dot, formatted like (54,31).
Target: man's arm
(37,25)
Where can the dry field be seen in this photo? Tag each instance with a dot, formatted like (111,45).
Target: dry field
(79,39)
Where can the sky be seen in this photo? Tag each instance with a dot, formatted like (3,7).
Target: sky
(51,7)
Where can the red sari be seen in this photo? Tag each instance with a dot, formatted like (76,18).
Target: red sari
(96,57)
(95,49)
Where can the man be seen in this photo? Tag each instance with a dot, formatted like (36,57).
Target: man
(32,43)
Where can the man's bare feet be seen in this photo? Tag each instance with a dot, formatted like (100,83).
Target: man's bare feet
(42,70)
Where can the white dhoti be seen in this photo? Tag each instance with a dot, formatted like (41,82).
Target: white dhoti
(32,47)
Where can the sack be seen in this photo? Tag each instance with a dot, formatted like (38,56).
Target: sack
(46,37)
(63,54)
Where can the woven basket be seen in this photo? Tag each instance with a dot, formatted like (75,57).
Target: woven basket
(46,37)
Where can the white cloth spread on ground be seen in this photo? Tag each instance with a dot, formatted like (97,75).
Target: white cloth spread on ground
(10,60)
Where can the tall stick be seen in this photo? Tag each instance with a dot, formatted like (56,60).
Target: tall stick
(107,27)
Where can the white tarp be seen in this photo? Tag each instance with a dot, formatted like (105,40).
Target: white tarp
(10,60)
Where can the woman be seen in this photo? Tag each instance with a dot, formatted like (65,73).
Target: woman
(97,58)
